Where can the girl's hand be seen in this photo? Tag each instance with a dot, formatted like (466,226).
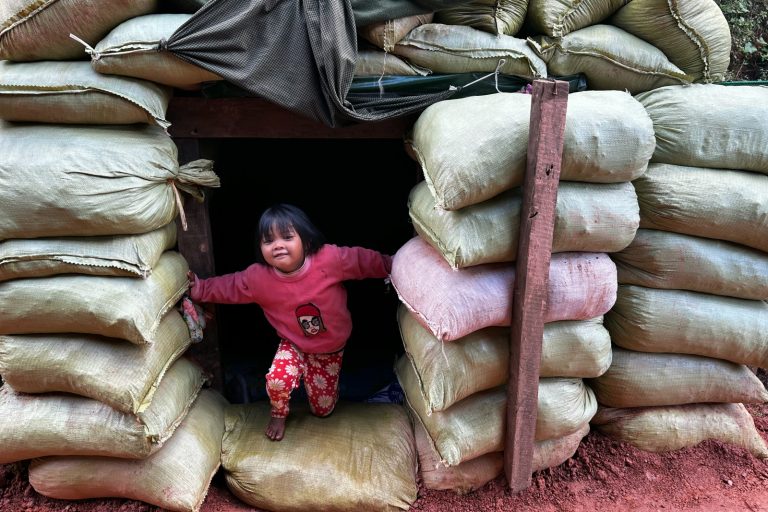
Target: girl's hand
(192,278)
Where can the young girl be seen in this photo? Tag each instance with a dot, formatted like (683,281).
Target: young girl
(298,284)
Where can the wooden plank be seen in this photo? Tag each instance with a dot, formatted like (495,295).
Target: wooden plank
(529,295)
(197,117)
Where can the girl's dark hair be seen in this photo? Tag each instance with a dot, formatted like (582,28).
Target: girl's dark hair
(284,217)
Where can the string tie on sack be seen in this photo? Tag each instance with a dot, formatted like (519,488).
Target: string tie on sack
(88,48)
(179,204)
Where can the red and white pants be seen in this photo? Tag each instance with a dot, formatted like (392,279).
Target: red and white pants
(320,373)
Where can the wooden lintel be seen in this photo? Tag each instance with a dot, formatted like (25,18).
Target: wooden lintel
(529,294)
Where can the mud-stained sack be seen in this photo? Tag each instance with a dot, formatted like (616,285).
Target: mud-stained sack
(72,92)
(386,34)
(640,379)
(119,255)
(475,426)
(694,34)
(589,217)
(174,478)
(710,125)
(362,457)
(84,180)
(679,321)
(450,371)
(127,308)
(133,49)
(39,29)
(64,424)
(122,375)
(610,58)
(461,49)
(378,63)
(471,149)
(565,16)
(494,16)
(453,303)
(664,429)
(711,203)
(662,259)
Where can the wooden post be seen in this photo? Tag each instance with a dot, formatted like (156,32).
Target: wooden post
(529,296)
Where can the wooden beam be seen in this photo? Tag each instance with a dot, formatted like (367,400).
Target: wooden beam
(529,295)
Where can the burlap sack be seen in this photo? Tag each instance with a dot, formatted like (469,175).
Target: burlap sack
(589,217)
(454,303)
(64,424)
(474,148)
(119,374)
(565,16)
(610,58)
(678,321)
(362,457)
(39,29)
(494,16)
(385,34)
(174,478)
(450,371)
(378,63)
(663,429)
(119,255)
(640,379)
(663,259)
(711,203)
(127,308)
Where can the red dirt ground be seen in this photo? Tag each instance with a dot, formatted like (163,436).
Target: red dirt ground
(603,475)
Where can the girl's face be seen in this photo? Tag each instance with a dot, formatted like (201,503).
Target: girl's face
(284,251)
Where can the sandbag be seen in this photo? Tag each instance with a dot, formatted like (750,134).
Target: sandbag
(589,217)
(174,478)
(710,125)
(119,374)
(133,49)
(64,424)
(362,457)
(72,92)
(663,259)
(450,371)
(39,29)
(493,16)
(471,149)
(378,63)
(640,379)
(453,303)
(663,429)
(385,34)
(693,34)
(711,203)
(610,58)
(127,308)
(650,320)
(119,255)
(462,49)
(565,16)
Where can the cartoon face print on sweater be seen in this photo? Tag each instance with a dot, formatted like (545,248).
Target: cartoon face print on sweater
(310,320)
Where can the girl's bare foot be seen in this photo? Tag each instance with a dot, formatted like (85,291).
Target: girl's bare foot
(275,429)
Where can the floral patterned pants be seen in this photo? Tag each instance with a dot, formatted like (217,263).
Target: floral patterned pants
(321,379)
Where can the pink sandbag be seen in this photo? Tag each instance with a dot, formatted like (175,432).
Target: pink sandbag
(453,303)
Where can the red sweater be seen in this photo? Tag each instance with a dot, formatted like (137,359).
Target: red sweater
(308,307)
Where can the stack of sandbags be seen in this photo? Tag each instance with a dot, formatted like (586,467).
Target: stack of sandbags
(691,314)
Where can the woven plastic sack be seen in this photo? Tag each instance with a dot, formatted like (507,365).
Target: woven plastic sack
(119,255)
(39,29)
(472,149)
(589,217)
(710,125)
(450,371)
(133,49)
(119,374)
(378,63)
(678,321)
(493,16)
(565,16)
(711,203)
(664,429)
(83,180)
(641,379)
(127,308)
(453,303)
(673,261)
(610,58)
(175,478)
(64,424)
(385,34)
(362,457)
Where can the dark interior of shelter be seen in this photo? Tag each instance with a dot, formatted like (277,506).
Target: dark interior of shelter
(356,193)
